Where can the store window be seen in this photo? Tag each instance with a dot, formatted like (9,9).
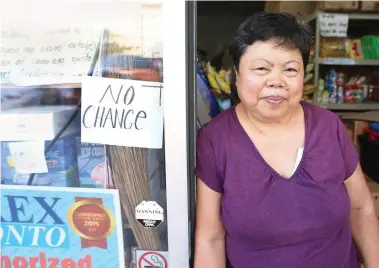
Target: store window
(83,159)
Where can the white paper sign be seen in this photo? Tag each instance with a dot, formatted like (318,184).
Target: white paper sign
(42,57)
(334,25)
(28,156)
(150,214)
(122,112)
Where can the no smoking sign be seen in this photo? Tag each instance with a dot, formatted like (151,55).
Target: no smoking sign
(152,259)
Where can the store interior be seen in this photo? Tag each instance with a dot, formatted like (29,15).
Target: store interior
(341,76)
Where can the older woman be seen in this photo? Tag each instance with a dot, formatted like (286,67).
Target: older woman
(279,183)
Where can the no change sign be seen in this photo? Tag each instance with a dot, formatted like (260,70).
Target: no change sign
(152,259)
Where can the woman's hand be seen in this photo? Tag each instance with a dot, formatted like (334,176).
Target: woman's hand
(210,232)
(363,219)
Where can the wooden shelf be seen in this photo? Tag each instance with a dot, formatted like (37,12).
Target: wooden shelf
(371,116)
(347,61)
(354,106)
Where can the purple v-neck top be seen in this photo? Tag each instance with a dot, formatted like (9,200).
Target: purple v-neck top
(270,221)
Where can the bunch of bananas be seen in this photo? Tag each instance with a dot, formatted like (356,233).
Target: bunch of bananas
(309,86)
(219,82)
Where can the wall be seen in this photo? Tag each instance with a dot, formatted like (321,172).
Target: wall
(218,20)
(213,31)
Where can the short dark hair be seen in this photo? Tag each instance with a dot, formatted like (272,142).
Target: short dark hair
(263,26)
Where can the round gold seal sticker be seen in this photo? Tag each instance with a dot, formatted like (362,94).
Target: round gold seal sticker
(92,221)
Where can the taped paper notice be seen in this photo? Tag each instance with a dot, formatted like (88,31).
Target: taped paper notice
(334,25)
(122,112)
(42,57)
(28,156)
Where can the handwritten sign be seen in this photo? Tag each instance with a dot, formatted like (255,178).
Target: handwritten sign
(60,227)
(122,112)
(28,156)
(42,57)
(333,25)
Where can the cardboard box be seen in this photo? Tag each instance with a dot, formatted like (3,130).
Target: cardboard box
(37,123)
(337,5)
(369,5)
(296,8)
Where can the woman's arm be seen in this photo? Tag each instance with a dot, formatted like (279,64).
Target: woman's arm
(210,232)
(363,219)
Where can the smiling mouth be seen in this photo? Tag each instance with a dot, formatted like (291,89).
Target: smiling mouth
(274,100)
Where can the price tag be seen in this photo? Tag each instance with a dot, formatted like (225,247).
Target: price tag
(28,156)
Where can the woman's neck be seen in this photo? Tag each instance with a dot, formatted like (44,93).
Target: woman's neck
(268,126)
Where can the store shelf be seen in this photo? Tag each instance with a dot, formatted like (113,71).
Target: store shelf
(364,16)
(372,116)
(354,106)
(352,16)
(345,61)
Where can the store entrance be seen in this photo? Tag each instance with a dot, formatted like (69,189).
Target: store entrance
(342,74)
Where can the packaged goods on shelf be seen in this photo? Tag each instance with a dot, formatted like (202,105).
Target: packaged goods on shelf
(217,81)
(342,88)
(370,46)
(366,47)
(309,86)
(61,164)
(334,47)
(214,87)
(37,123)
(209,99)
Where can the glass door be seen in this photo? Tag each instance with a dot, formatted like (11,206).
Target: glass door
(100,91)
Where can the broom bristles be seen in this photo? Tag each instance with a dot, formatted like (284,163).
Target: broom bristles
(129,173)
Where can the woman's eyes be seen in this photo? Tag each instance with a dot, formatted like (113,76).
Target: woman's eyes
(261,69)
(292,70)
(264,69)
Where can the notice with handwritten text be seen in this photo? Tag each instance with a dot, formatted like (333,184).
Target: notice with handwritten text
(333,25)
(122,112)
(44,57)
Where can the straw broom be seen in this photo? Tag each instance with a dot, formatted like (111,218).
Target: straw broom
(129,173)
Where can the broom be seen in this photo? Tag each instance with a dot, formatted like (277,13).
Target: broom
(129,173)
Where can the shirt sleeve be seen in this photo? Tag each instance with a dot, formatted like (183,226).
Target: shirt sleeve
(349,152)
(206,167)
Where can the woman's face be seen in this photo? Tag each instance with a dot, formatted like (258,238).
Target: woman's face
(270,79)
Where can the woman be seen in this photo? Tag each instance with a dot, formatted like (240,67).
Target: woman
(279,183)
